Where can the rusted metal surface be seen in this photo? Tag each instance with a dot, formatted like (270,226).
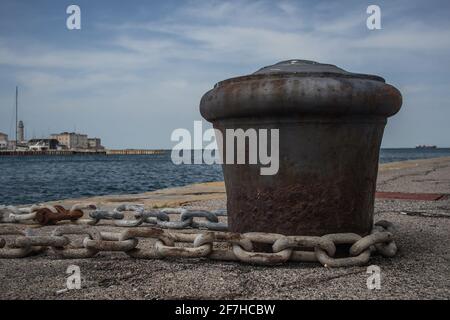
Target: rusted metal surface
(46,216)
(410,196)
(330,123)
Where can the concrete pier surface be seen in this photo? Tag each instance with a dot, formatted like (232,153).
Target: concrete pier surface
(420,270)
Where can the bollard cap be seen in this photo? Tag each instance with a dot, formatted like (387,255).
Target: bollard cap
(311,68)
(300,87)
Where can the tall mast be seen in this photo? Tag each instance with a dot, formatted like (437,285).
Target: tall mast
(17,115)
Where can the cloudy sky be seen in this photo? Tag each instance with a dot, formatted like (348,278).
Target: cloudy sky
(137,69)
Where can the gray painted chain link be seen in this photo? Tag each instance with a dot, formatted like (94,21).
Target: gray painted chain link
(12,214)
(216,245)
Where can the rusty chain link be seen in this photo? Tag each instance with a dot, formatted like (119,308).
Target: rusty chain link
(42,214)
(216,245)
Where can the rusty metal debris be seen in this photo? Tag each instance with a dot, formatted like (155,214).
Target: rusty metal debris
(216,245)
(44,215)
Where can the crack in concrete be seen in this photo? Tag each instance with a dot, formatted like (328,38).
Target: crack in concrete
(424,214)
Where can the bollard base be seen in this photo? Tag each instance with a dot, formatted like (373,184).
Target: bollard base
(325,182)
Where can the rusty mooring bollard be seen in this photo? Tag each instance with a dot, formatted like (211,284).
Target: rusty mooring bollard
(330,125)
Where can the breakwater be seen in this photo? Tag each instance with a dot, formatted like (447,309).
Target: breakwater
(134,152)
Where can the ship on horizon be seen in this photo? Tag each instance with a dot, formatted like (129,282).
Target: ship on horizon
(426,146)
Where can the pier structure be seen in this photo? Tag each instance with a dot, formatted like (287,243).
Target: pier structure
(49,152)
(65,152)
(134,152)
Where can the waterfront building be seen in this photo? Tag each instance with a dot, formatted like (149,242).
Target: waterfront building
(72,140)
(3,140)
(95,144)
(13,145)
(43,144)
(21,132)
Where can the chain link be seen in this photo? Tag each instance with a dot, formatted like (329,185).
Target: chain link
(76,253)
(342,238)
(13,251)
(263,258)
(304,242)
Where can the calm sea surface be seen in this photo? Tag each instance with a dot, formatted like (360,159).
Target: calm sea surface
(33,179)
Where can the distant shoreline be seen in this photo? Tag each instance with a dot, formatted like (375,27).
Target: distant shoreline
(132,151)
(82,152)
(215,190)
(37,179)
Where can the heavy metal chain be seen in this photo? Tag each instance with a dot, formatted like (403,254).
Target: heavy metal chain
(214,245)
(48,215)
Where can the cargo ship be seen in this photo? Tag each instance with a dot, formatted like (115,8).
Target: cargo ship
(425,146)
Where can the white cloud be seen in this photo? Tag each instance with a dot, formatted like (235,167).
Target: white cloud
(406,38)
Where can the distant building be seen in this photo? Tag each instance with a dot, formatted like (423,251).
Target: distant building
(3,140)
(43,144)
(95,144)
(11,144)
(21,132)
(71,140)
